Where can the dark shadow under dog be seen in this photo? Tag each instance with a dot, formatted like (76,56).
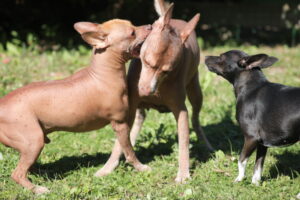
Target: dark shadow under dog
(225,136)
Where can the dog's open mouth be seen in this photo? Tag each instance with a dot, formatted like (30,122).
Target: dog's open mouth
(136,50)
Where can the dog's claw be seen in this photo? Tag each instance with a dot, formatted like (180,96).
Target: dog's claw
(40,190)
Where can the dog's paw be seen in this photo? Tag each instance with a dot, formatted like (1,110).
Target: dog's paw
(182,178)
(298,196)
(143,168)
(40,190)
(103,172)
(238,179)
(107,169)
(255,181)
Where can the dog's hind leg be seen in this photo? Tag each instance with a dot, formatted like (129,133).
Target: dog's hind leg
(195,97)
(114,158)
(260,158)
(248,148)
(29,145)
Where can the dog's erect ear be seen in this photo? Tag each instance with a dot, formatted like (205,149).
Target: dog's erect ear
(160,7)
(83,27)
(258,60)
(187,30)
(96,39)
(168,15)
(92,34)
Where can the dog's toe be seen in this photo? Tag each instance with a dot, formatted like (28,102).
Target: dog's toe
(40,190)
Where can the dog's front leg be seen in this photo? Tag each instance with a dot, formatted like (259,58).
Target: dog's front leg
(181,116)
(114,158)
(122,131)
(260,158)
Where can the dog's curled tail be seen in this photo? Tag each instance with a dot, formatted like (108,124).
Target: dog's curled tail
(161,7)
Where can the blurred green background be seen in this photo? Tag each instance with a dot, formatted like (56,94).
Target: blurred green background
(50,23)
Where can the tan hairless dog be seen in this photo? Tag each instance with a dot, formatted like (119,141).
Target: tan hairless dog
(87,100)
(169,72)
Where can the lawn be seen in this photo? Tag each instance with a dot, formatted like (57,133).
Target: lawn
(66,165)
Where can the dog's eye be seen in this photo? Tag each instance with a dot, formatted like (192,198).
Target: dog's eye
(172,31)
(133,33)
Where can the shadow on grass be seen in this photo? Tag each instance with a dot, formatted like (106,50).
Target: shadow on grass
(287,164)
(225,136)
(60,168)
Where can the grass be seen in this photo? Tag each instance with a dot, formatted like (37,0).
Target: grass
(68,163)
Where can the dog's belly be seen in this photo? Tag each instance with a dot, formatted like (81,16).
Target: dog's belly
(159,108)
(280,142)
(82,126)
(154,102)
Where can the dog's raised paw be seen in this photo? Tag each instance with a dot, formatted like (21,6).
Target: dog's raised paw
(40,190)
(298,196)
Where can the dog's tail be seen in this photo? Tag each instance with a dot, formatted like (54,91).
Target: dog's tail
(161,7)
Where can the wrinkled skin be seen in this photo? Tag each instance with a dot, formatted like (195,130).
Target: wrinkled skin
(165,75)
(88,100)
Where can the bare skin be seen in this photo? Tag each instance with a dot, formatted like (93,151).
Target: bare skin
(88,100)
(165,75)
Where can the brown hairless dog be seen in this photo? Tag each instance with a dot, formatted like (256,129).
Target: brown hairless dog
(168,72)
(87,100)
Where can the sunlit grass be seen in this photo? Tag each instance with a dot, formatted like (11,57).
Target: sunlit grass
(68,163)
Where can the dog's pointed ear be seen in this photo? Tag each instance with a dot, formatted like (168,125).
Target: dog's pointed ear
(92,34)
(191,25)
(83,27)
(160,7)
(168,15)
(258,60)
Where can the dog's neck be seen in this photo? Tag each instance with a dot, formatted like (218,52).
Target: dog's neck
(247,81)
(108,63)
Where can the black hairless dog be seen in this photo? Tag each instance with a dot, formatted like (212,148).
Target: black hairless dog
(268,113)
